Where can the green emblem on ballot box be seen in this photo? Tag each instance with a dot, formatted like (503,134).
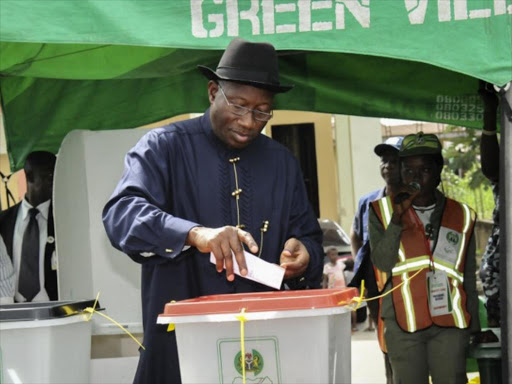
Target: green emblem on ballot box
(253,362)
(260,359)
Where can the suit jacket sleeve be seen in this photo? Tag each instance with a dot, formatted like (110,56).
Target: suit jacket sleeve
(136,217)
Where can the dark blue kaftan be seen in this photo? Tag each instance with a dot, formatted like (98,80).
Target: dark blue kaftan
(178,177)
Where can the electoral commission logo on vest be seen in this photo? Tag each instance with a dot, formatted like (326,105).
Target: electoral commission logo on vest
(452,238)
(261,361)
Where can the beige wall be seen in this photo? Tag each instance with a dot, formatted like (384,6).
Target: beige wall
(358,166)
(16,184)
(347,165)
(325,156)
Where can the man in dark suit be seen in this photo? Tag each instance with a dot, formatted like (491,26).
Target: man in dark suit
(28,232)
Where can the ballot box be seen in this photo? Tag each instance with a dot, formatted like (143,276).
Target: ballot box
(47,342)
(287,337)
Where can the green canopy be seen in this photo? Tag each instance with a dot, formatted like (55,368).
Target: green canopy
(109,64)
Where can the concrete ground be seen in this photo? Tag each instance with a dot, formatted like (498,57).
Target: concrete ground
(367,358)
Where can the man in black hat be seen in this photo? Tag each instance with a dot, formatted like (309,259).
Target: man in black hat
(213,184)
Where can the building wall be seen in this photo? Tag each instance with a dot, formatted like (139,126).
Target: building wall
(16,182)
(325,152)
(347,165)
(358,166)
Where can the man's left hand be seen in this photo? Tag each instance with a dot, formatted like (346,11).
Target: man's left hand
(295,258)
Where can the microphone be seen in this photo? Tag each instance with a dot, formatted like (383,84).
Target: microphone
(402,196)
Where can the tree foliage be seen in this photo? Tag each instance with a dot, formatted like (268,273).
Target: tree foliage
(462,176)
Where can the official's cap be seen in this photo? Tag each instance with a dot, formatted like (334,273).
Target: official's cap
(393,143)
(420,144)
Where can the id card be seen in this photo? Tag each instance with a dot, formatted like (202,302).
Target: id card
(439,298)
(448,245)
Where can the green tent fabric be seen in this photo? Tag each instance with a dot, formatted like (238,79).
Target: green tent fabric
(108,64)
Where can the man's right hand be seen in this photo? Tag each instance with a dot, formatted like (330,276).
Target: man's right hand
(223,243)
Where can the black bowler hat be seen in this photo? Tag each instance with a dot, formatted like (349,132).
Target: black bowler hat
(248,63)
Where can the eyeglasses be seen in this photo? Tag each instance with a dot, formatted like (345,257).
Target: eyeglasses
(242,111)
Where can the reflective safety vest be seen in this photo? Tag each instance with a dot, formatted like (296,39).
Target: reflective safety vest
(411,299)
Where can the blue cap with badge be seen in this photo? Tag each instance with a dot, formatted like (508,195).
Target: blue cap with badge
(393,143)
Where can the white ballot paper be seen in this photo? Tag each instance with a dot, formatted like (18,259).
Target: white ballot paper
(259,270)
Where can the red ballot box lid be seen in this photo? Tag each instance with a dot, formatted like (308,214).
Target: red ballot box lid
(261,302)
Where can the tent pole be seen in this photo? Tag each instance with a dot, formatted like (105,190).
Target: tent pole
(506,238)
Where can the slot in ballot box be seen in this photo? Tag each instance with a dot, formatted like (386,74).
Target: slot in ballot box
(45,342)
(289,336)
